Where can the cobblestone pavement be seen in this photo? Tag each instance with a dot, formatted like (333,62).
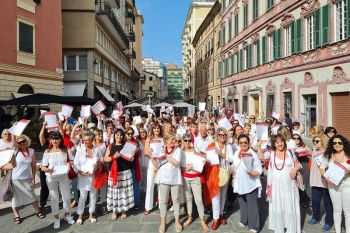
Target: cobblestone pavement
(136,222)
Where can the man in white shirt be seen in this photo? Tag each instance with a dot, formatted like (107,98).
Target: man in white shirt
(202,141)
(253,125)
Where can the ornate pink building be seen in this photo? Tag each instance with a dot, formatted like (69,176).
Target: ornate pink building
(288,56)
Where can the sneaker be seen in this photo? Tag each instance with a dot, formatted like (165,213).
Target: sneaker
(171,209)
(69,219)
(326,227)
(56,224)
(312,221)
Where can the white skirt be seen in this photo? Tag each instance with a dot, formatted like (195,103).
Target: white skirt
(23,193)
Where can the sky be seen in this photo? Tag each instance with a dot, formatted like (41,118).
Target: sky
(164,21)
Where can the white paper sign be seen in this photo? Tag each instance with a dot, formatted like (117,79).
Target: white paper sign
(335,173)
(248,161)
(88,165)
(212,157)
(60,116)
(136,131)
(185,119)
(51,121)
(115,114)
(18,129)
(157,149)
(67,110)
(85,111)
(137,120)
(80,120)
(238,117)
(276,115)
(119,106)
(191,111)
(224,123)
(42,113)
(60,170)
(5,156)
(201,106)
(149,109)
(128,151)
(301,118)
(319,159)
(262,132)
(98,107)
(196,161)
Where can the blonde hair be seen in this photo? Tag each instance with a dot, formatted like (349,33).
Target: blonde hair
(3,132)
(26,138)
(285,132)
(221,130)
(169,136)
(323,138)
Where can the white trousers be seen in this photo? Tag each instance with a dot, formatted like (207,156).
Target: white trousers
(64,186)
(218,202)
(82,200)
(150,187)
(341,202)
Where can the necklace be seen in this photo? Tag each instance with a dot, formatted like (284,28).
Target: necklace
(169,152)
(25,153)
(284,161)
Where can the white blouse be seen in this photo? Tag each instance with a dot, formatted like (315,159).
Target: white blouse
(85,182)
(243,183)
(170,174)
(52,159)
(228,151)
(23,169)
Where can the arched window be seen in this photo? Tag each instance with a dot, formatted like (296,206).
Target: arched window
(26,89)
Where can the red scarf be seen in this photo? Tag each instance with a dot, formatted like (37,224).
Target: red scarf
(137,164)
(114,169)
(66,141)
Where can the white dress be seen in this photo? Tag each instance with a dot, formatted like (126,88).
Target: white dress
(284,210)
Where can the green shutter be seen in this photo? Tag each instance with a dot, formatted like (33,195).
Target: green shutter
(292,37)
(232,64)
(325,24)
(255,9)
(348,19)
(263,41)
(317,31)
(257,52)
(250,55)
(245,15)
(237,62)
(241,58)
(298,41)
(275,40)
(236,24)
(230,29)
(223,35)
(279,43)
(220,69)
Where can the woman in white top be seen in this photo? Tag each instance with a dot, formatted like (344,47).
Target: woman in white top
(338,152)
(85,162)
(155,138)
(246,182)
(286,132)
(6,141)
(23,178)
(55,159)
(225,153)
(282,191)
(169,179)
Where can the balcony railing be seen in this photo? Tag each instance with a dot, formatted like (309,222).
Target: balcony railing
(130,15)
(132,35)
(131,54)
(104,8)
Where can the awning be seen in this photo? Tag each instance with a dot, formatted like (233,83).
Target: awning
(124,94)
(18,95)
(105,93)
(74,89)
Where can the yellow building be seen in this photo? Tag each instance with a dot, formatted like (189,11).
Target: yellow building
(207,49)
(197,11)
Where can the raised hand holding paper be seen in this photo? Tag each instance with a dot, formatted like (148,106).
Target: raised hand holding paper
(262,132)
(85,111)
(137,120)
(276,115)
(212,157)
(18,128)
(248,161)
(98,107)
(201,106)
(67,110)
(60,116)
(224,123)
(196,161)
(128,150)
(156,147)
(51,120)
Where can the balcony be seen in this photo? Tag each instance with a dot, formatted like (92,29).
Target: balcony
(132,36)
(105,13)
(131,54)
(136,74)
(129,17)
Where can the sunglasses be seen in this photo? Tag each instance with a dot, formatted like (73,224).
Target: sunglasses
(252,118)
(210,129)
(339,143)
(187,141)
(179,141)
(129,133)
(243,143)
(21,142)
(235,123)
(55,138)
(315,141)
(222,135)
(296,138)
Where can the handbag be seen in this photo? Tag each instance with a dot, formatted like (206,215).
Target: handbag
(224,177)
(299,177)
(6,193)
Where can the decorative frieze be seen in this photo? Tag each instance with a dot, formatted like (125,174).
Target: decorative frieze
(309,7)
(255,38)
(270,29)
(311,56)
(287,19)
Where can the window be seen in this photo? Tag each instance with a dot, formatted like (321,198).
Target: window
(106,72)
(231,64)
(296,36)
(269,105)
(25,38)
(245,58)
(257,52)
(75,63)
(245,104)
(341,18)
(230,29)
(82,62)
(150,78)
(224,35)
(71,63)
(288,102)
(236,24)
(113,76)
(150,88)
(270,4)
(263,45)
(310,36)
(219,39)
(277,41)
(220,69)
(271,46)
(255,9)
(97,67)
(245,15)
(287,42)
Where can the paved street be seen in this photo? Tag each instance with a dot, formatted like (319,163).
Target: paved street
(136,222)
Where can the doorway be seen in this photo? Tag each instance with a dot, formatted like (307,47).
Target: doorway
(256,106)
(311,112)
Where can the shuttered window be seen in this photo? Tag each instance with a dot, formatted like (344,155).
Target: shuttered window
(277,44)
(229,29)
(293,37)
(263,45)
(270,4)
(236,24)
(298,40)
(255,9)
(257,52)
(241,60)
(341,18)
(231,64)
(220,69)
(237,62)
(325,30)
(245,16)
(317,15)
(341,113)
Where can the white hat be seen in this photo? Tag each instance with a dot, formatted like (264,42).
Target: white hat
(91,125)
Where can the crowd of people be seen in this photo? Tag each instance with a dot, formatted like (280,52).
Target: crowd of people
(177,160)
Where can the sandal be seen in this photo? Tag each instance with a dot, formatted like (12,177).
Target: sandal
(178,228)
(188,221)
(79,221)
(17,220)
(162,228)
(40,215)
(146,212)
(93,220)
(124,216)
(241,225)
(204,226)
(114,216)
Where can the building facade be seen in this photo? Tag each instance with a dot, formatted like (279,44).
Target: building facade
(150,85)
(175,83)
(152,66)
(197,11)
(28,31)
(99,42)
(207,46)
(288,57)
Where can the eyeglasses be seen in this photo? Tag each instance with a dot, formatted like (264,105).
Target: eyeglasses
(55,138)
(179,141)
(187,140)
(222,135)
(316,141)
(210,129)
(296,138)
(21,142)
(252,118)
(331,131)
(129,133)
(339,143)
(243,143)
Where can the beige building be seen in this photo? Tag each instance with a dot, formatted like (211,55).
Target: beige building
(207,49)
(288,57)
(197,11)
(99,41)
(150,85)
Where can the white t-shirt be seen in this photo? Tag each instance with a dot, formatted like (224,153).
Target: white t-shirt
(5,145)
(168,173)
(201,144)
(23,169)
(291,145)
(52,159)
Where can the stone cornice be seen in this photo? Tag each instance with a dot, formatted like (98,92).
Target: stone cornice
(309,7)
(287,19)
(270,29)
(24,71)
(245,2)
(255,38)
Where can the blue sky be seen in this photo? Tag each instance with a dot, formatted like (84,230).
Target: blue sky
(164,21)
